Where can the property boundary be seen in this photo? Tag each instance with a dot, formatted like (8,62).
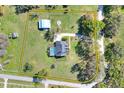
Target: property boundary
(59,11)
(23,44)
(95,37)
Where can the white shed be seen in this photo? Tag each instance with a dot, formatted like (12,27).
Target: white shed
(44,24)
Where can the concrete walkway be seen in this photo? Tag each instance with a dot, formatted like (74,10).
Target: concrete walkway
(58,37)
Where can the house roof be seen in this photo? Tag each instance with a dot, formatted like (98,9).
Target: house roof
(61,48)
(52,51)
(44,24)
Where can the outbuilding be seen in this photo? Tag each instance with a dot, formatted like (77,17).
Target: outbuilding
(44,24)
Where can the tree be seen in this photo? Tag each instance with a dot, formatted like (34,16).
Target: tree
(39,76)
(87,25)
(112,23)
(43,73)
(50,7)
(65,6)
(27,67)
(93,25)
(81,29)
(77,67)
(108,9)
(113,52)
(88,72)
(86,69)
(52,66)
(25,8)
(82,49)
(49,36)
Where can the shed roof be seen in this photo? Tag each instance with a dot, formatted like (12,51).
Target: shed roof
(44,24)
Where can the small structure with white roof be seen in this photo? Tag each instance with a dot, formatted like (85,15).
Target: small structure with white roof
(44,24)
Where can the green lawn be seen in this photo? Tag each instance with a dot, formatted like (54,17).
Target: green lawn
(120,36)
(22,84)
(36,54)
(31,46)
(11,22)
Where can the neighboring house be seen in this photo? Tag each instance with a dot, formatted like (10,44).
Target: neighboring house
(44,24)
(60,49)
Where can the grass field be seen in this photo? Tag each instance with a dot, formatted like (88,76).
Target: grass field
(120,36)
(22,84)
(36,50)
(11,22)
(31,46)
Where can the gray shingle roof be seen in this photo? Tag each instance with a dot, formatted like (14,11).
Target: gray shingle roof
(61,48)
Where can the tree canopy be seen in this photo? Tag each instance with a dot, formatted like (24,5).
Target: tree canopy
(112,24)
(82,49)
(88,25)
(113,52)
(27,67)
(107,9)
(24,8)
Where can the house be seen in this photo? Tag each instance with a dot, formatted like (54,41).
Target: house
(60,49)
(44,24)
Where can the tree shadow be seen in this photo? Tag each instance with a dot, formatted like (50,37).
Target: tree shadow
(49,35)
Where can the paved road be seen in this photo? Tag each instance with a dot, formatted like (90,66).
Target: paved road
(100,12)
(47,82)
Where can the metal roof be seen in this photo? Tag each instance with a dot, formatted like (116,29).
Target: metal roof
(44,24)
